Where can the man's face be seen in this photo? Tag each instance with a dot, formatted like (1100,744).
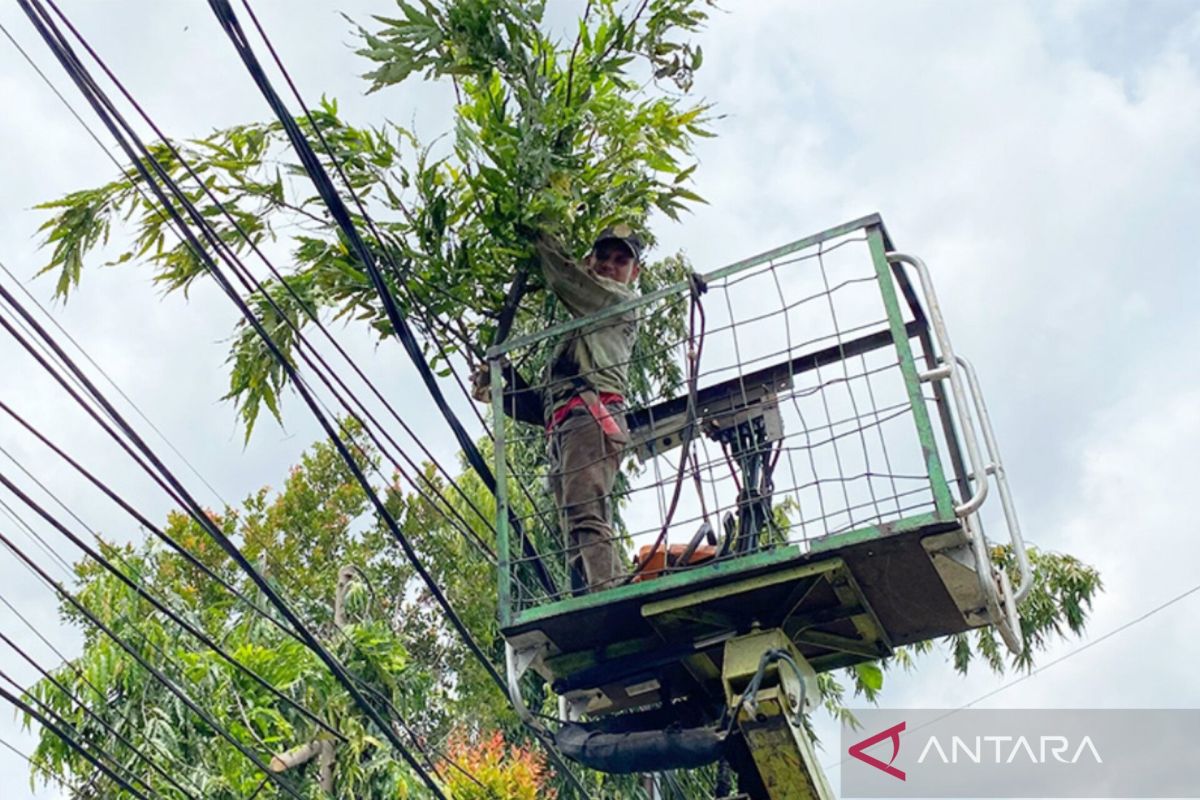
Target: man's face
(613,260)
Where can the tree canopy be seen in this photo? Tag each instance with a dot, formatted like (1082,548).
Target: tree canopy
(566,136)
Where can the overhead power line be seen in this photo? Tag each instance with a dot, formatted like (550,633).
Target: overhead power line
(87,357)
(341,215)
(158,674)
(37,764)
(65,724)
(151,170)
(142,519)
(153,173)
(67,663)
(145,165)
(71,742)
(160,606)
(422,485)
(53,553)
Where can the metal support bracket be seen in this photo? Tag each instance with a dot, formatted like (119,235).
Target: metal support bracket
(518,662)
(769,688)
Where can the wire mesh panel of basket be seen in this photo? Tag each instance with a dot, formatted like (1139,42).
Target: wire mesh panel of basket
(778,414)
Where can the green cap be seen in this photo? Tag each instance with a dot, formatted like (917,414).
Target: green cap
(624,234)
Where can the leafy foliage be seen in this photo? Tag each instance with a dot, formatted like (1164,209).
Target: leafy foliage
(493,768)
(300,537)
(548,135)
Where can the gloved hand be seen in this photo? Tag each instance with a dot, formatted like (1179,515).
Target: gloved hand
(481,382)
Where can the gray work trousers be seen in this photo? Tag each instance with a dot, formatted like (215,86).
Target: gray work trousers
(583,468)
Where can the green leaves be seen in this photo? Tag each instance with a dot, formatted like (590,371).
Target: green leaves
(302,535)
(548,134)
(82,221)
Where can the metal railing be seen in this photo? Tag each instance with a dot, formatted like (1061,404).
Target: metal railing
(804,417)
(972,412)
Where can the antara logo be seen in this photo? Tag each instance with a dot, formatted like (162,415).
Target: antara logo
(1017,749)
(892,733)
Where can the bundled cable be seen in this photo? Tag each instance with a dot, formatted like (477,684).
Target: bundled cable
(148,168)
(155,177)
(158,674)
(341,215)
(73,743)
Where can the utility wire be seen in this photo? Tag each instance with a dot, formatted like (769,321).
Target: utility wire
(186,553)
(36,537)
(4,323)
(1086,646)
(148,181)
(70,741)
(529,552)
(144,165)
(101,695)
(465,528)
(150,525)
(251,285)
(341,215)
(137,410)
(47,773)
(162,678)
(143,520)
(160,606)
(391,708)
(58,719)
(114,122)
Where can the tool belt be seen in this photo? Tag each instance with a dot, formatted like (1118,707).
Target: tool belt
(597,404)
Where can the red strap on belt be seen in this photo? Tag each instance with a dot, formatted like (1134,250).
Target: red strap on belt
(601,414)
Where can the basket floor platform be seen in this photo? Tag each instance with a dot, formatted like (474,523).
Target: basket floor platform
(851,598)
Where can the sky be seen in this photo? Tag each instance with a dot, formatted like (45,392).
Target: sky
(1042,157)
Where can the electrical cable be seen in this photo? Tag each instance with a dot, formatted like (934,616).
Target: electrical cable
(393,711)
(223,248)
(450,480)
(341,215)
(63,51)
(162,678)
(171,614)
(34,536)
(136,409)
(143,520)
(32,761)
(133,777)
(696,349)
(83,677)
(66,56)
(70,741)
(146,177)
(196,512)
(148,524)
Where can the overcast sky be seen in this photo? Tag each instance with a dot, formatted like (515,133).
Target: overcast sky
(1043,157)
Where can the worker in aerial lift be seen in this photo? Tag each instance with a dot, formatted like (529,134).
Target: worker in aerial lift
(582,397)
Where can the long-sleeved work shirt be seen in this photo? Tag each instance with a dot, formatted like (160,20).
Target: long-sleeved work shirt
(597,354)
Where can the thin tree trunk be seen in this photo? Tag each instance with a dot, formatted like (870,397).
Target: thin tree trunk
(295,757)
